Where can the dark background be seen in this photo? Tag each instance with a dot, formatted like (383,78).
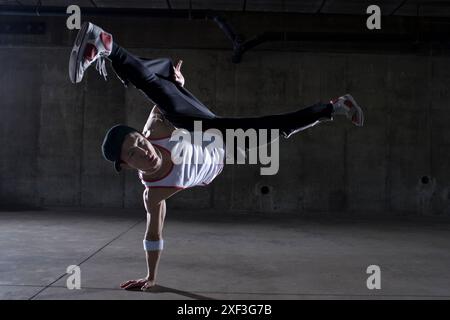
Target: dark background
(397,164)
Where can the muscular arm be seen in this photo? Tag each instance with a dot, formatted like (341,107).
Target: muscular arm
(155,205)
(156,212)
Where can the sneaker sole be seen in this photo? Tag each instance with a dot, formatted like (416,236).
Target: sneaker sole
(358,111)
(77,50)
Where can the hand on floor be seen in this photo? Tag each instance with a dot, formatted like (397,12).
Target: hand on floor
(143,284)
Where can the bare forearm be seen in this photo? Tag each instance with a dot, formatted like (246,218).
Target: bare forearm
(153,241)
(153,258)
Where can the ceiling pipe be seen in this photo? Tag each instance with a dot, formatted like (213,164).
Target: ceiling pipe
(51,11)
(241,44)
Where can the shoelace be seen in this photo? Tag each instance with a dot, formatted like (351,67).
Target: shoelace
(101,67)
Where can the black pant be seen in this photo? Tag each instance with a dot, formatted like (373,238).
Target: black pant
(181,108)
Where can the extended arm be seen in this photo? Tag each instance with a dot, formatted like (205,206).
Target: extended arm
(153,241)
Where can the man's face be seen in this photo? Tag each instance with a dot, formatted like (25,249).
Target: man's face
(138,153)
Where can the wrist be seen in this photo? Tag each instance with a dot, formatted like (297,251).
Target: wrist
(151,245)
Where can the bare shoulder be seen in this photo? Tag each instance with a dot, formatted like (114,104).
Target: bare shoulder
(156,111)
(157,125)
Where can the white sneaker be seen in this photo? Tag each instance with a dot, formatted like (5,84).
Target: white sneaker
(92,44)
(348,107)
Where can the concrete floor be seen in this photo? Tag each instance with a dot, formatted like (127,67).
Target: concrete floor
(236,257)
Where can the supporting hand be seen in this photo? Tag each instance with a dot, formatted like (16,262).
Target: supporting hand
(144,284)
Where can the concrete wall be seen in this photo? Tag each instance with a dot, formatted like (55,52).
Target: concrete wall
(51,130)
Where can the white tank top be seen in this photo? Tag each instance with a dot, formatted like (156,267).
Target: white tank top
(200,164)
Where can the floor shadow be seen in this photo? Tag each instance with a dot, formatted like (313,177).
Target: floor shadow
(162,289)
